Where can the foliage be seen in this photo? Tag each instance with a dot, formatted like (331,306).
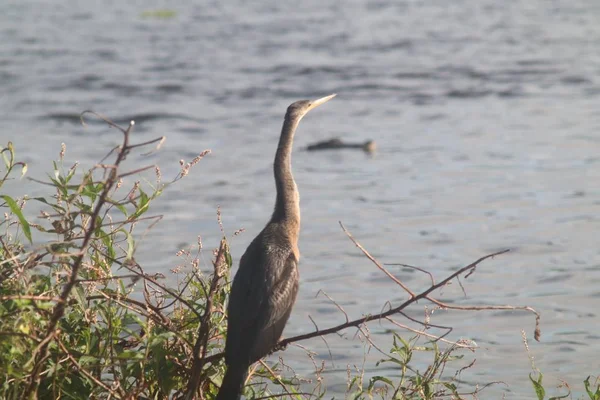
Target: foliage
(536,377)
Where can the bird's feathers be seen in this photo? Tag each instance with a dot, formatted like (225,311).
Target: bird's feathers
(262,295)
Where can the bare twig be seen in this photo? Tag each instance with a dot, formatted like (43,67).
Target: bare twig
(384,314)
(377,264)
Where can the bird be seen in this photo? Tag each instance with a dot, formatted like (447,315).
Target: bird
(265,286)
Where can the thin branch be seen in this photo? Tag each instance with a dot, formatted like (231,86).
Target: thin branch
(381,267)
(429,335)
(413,267)
(339,307)
(200,346)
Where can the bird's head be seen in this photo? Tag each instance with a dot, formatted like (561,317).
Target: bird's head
(300,108)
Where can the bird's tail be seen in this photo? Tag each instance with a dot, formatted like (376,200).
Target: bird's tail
(233,383)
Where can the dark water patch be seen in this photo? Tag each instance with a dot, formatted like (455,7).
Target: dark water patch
(123,89)
(566,349)
(574,218)
(469,93)
(588,138)
(165,65)
(85,82)
(592,337)
(450,71)
(379,277)
(556,278)
(170,88)
(549,293)
(567,333)
(120,120)
(441,241)
(195,130)
(82,16)
(45,53)
(576,194)
(511,314)
(74,118)
(422,99)
(500,156)
(433,117)
(592,91)
(383,47)
(512,92)
(6,76)
(412,75)
(529,72)
(284,71)
(323,278)
(105,54)
(223,199)
(575,80)
(570,343)
(327,310)
(534,62)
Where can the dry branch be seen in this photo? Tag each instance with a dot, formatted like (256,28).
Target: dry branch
(356,323)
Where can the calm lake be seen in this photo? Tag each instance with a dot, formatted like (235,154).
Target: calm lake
(485,114)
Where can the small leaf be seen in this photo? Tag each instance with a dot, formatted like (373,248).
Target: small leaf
(381,379)
(452,387)
(561,397)
(130,244)
(537,385)
(14,207)
(121,208)
(56,171)
(142,207)
(87,360)
(7,162)
(592,395)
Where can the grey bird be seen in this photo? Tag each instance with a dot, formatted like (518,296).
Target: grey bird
(265,287)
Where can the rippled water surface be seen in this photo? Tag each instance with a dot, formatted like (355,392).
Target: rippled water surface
(485,114)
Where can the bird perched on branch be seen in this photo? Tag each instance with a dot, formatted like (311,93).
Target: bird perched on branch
(266,284)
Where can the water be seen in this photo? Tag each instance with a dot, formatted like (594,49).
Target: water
(485,114)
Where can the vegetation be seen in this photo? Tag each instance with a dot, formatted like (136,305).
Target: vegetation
(81,318)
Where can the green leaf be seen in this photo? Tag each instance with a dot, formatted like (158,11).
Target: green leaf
(7,162)
(561,397)
(383,379)
(87,360)
(452,387)
(121,208)
(56,207)
(14,207)
(142,207)
(593,395)
(130,244)
(537,385)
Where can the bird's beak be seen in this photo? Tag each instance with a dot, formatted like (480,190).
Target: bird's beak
(318,102)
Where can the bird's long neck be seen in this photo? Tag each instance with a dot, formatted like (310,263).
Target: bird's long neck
(287,205)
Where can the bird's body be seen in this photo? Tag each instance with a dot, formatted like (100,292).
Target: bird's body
(265,287)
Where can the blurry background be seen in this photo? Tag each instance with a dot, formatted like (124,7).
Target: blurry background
(485,114)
